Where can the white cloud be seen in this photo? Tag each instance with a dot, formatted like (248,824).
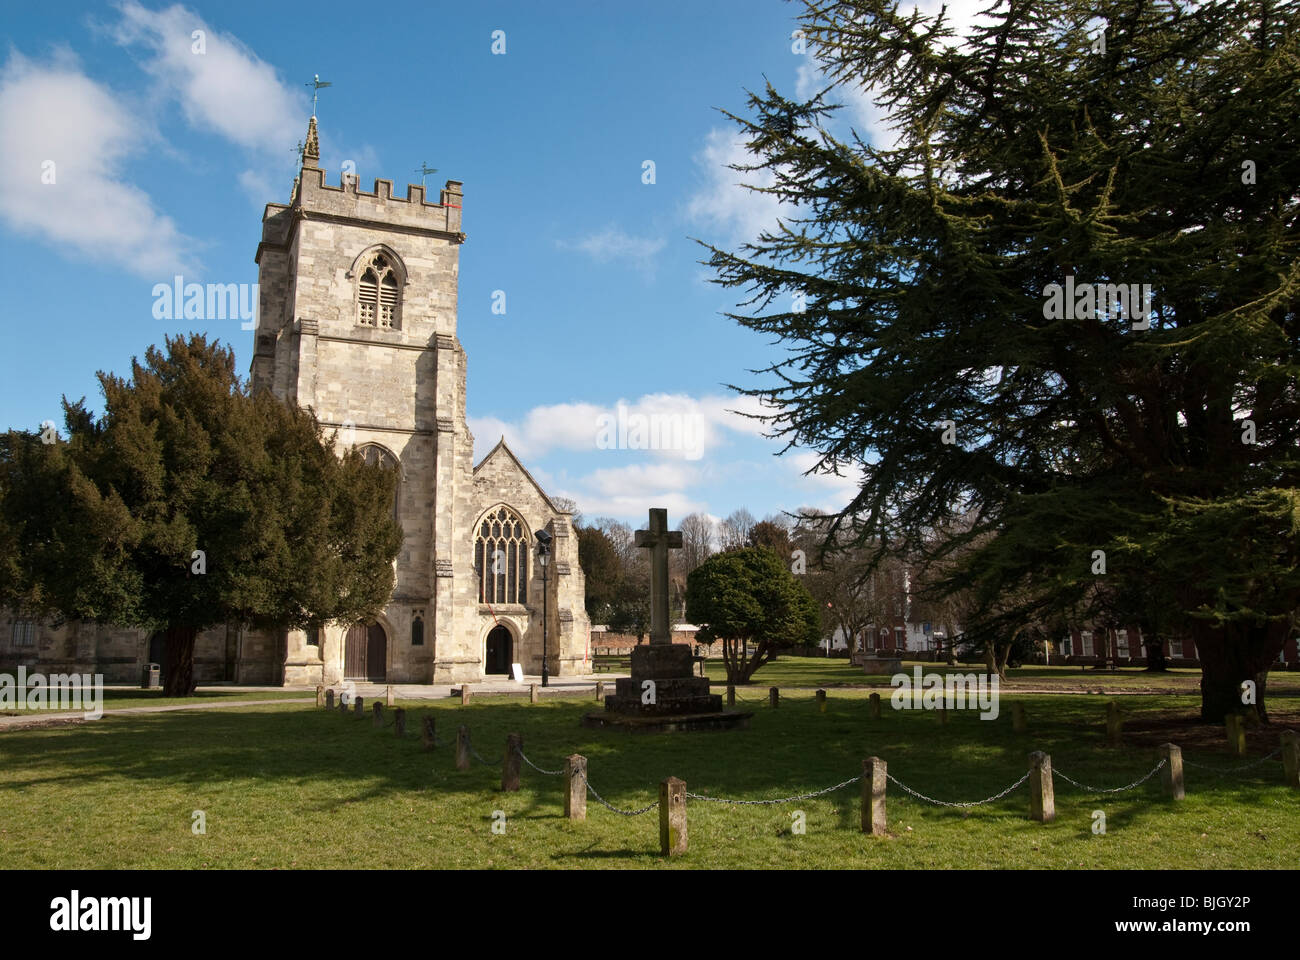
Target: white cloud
(227,88)
(667,426)
(614,244)
(54,114)
(825,491)
(732,213)
(628,491)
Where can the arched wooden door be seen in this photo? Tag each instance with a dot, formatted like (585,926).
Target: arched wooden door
(158,652)
(499,644)
(365,653)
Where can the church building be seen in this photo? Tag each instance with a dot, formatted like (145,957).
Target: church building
(357,320)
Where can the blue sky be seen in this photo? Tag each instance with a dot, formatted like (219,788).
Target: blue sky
(164,159)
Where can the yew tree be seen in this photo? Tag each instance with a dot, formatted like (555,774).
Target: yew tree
(920,283)
(749,596)
(191,503)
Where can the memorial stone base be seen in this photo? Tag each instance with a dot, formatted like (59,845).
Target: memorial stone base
(680,700)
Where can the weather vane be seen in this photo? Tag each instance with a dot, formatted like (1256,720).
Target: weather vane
(316,83)
(424,170)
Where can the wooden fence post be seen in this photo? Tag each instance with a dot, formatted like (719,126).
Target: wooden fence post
(510,762)
(399,722)
(320,695)
(1042,798)
(464,694)
(873,706)
(575,798)
(821,701)
(1114,724)
(600,689)
(1171,774)
(532,693)
(388,695)
(874,772)
(427,730)
(774,697)
(672,816)
(1291,759)
(378,711)
(357,707)
(329,699)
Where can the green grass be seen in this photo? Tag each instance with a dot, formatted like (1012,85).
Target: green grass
(295,786)
(815,672)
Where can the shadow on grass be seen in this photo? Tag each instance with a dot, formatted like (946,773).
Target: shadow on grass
(787,752)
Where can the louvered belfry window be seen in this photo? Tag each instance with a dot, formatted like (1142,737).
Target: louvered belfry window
(388,302)
(368,298)
(501,558)
(379,294)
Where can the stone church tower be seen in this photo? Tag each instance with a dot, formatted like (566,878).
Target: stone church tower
(358,322)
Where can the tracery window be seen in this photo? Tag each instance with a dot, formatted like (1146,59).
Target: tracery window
(501,557)
(378,293)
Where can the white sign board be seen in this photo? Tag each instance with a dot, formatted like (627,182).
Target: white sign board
(517,671)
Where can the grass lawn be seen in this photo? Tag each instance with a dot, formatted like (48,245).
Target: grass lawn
(816,672)
(293,786)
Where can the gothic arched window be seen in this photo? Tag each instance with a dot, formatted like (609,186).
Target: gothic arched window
(373,453)
(417,629)
(501,557)
(379,298)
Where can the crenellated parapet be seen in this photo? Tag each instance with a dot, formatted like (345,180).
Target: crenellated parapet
(347,202)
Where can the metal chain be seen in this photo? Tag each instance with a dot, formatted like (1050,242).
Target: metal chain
(945,803)
(1135,783)
(802,796)
(605,803)
(1224,772)
(486,763)
(549,773)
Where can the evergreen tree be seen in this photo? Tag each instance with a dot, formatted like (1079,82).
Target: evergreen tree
(748,595)
(190,504)
(1152,441)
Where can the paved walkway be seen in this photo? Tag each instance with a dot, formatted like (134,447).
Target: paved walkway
(558,686)
(39,716)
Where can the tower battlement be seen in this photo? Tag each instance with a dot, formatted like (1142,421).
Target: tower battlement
(380,205)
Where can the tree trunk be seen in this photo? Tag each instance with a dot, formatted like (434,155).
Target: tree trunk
(1002,661)
(1155,654)
(1230,655)
(179,640)
(762,654)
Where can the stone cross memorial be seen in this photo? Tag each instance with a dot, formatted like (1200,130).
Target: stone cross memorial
(663,694)
(659,540)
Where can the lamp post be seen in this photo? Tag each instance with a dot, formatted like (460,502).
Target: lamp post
(543,553)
